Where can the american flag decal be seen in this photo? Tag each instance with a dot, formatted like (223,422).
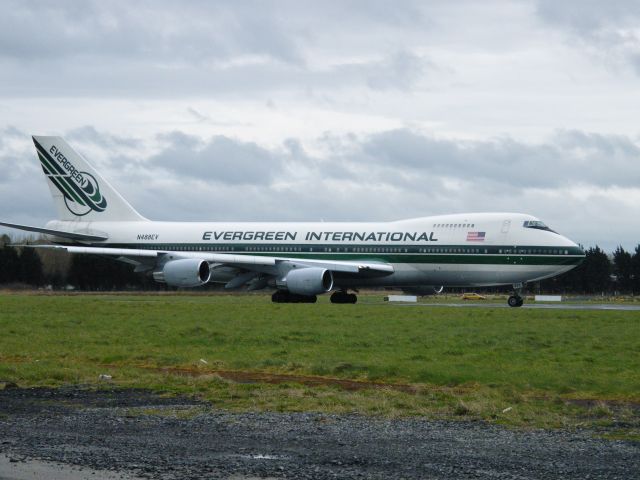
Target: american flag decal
(475,236)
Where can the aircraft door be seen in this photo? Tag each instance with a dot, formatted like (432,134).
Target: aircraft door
(504,232)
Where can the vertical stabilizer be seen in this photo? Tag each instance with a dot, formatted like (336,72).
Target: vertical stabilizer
(79,191)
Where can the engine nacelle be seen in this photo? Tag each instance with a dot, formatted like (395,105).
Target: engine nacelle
(307,281)
(187,272)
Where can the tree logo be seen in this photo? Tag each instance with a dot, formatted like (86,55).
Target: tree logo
(80,190)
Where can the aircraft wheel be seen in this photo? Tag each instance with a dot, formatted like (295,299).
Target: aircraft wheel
(515,301)
(283,296)
(336,297)
(343,297)
(280,297)
(304,298)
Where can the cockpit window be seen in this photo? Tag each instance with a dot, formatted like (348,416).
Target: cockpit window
(537,224)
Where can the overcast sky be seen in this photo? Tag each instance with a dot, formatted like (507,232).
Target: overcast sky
(345,110)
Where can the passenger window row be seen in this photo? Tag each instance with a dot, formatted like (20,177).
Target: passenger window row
(291,249)
(454,225)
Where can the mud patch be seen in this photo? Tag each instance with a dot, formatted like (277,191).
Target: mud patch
(242,376)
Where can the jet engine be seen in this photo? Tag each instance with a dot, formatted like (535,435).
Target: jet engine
(307,281)
(187,272)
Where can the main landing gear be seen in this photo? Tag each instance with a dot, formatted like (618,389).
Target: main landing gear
(516,300)
(341,296)
(283,296)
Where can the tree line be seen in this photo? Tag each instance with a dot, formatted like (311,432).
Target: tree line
(24,267)
(600,273)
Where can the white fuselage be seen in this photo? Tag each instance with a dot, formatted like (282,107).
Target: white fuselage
(473,249)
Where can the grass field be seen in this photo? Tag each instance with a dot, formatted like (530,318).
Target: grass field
(549,368)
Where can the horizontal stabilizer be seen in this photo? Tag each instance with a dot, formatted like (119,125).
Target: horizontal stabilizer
(57,233)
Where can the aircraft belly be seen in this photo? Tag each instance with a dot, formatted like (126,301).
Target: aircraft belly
(459,275)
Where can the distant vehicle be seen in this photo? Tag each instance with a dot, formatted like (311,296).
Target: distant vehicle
(299,260)
(473,296)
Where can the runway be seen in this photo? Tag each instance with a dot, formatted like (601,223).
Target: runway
(540,306)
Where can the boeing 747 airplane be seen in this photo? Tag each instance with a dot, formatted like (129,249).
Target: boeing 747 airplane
(298,260)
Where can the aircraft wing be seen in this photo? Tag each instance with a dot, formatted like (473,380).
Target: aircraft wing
(258,263)
(91,237)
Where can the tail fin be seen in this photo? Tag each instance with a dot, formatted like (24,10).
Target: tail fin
(78,190)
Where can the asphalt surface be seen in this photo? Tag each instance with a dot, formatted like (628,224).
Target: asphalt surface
(134,433)
(22,468)
(533,306)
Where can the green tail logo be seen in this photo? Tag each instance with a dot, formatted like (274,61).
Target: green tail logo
(80,189)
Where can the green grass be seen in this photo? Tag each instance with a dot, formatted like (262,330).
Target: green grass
(465,363)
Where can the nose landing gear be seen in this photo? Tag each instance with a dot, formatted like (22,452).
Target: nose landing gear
(516,300)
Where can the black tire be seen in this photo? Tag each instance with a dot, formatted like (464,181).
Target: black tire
(515,301)
(337,297)
(277,297)
(304,298)
(342,297)
(282,296)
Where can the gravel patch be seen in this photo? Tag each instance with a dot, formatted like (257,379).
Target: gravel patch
(136,432)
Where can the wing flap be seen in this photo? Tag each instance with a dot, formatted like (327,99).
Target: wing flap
(343,266)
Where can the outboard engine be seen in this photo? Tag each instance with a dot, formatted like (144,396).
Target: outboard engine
(187,272)
(307,281)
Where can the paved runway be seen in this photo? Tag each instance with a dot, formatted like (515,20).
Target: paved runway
(533,305)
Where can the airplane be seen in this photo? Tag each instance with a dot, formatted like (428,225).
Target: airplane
(299,260)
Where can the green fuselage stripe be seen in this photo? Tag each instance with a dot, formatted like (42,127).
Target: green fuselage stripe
(445,254)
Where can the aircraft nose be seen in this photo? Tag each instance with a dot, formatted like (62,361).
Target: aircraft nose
(577,248)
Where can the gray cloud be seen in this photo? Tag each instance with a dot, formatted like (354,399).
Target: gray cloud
(400,158)
(89,134)
(164,49)
(588,17)
(608,28)
(569,157)
(400,70)
(344,110)
(193,31)
(221,159)
(154,30)
(23,188)
(384,176)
